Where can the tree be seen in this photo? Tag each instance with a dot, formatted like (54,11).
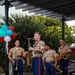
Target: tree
(50,29)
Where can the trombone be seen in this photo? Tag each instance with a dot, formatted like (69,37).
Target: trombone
(56,67)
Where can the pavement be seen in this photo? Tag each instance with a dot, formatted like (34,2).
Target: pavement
(28,74)
(71,68)
(32,74)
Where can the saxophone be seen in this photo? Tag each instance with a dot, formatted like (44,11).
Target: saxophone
(29,54)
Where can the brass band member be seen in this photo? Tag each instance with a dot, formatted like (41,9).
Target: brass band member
(50,60)
(37,62)
(63,56)
(16,55)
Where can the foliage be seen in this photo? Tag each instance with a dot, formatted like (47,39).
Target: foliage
(1,70)
(50,29)
(73,28)
(73,31)
(2,57)
(72,56)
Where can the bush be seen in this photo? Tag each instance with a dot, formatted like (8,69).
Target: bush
(1,70)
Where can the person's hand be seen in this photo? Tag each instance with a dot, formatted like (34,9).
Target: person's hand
(65,58)
(13,62)
(44,68)
(23,62)
(30,48)
(26,55)
(55,65)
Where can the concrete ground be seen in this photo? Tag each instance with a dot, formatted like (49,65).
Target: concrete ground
(71,68)
(32,74)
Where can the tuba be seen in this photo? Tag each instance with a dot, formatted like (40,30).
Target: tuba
(29,54)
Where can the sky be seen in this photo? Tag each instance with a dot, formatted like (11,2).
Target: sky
(12,10)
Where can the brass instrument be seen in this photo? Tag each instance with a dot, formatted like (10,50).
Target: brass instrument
(16,61)
(56,67)
(29,54)
(18,54)
(62,56)
(29,41)
(16,65)
(28,58)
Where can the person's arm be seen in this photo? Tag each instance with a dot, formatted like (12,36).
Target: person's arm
(69,50)
(42,47)
(58,52)
(56,58)
(9,57)
(38,49)
(44,61)
(24,54)
(32,49)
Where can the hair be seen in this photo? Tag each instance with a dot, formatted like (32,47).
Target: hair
(37,33)
(17,40)
(62,39)
(48,45)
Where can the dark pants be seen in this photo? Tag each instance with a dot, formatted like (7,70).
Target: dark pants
(64,66)
(19,66)
(37,66)
(50,69)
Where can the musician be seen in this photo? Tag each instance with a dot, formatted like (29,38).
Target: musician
(16,55)
(64,49)
(37,62)
(50,60)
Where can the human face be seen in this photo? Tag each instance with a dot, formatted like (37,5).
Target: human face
(36,37)
(61,42)
(47,48)
(17,43)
